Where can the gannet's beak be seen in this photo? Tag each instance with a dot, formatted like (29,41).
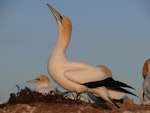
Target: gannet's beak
(33,80)
(56,14)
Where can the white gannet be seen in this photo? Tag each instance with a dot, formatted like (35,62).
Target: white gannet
(43,84)
(145,91)
(77,76)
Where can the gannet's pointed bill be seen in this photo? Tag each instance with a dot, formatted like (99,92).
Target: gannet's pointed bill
(33,80)
(56,14)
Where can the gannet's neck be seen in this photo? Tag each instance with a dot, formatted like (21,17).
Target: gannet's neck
(64,34)
(43,84)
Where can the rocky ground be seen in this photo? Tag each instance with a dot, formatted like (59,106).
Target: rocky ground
(28,101)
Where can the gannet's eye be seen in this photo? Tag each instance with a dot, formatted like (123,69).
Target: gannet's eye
(38,79)
(61,17)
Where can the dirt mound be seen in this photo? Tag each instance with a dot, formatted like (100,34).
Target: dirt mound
(28,96)
(28,101)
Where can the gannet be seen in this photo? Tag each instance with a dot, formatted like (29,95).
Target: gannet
(145,91)
(43,84)
(77,76)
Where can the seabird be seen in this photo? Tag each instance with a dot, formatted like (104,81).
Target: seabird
(43,84)
(77,76)
(145,91)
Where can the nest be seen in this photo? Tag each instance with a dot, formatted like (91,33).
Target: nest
(28,96)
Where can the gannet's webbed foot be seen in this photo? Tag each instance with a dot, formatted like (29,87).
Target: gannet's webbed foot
(66,94)
(78,96)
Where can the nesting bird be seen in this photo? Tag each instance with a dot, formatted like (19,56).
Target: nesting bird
(145,91)
(43,84)
(77,76)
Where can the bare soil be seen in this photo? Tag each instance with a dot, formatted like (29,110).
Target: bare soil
(28,101)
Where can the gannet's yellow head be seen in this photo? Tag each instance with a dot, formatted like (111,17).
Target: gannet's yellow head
(64,23)
(42,79)
(146,68)
(105,69)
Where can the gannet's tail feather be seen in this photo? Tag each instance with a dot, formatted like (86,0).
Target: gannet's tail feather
(109,83)
(125,91)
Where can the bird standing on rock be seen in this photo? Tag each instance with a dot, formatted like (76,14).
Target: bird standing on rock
(77,76)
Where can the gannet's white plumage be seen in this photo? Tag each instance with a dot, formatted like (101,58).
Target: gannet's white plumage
(145,91)
(43,84)
(77,76)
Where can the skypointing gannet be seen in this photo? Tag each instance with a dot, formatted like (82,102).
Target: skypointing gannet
(43,84)
(145,91)
(77,76)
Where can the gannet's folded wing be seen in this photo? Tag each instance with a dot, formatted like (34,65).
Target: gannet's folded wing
(84,75)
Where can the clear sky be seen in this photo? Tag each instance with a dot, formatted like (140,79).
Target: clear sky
(114,33)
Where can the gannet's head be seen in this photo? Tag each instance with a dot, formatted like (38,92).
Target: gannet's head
(64,22)
(105,69)
(146,68)
(42,79)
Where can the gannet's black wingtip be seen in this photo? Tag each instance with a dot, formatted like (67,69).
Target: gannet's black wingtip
(125,91)
(124,85)
(110,83)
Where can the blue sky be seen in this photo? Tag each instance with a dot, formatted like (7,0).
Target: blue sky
(115,33)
